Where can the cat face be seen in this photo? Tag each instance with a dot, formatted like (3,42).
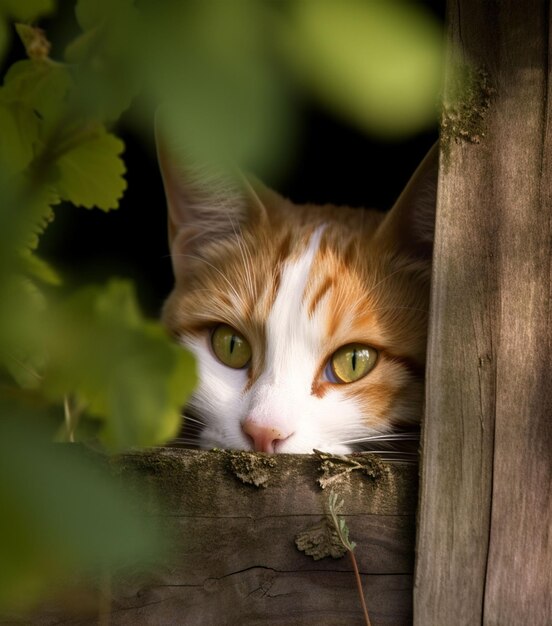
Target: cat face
(308,322)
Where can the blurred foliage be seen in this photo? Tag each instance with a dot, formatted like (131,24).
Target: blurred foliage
(20,10)
(85,365)
(120,368)
(377,61)
(61,512)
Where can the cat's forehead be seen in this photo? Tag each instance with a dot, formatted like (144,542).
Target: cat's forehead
(316,257)
(245,272)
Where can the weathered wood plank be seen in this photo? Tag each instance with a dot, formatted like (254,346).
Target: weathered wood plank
(204,483)
(484,542)
(389,538)
(233,558)
(519,576)
(262,597)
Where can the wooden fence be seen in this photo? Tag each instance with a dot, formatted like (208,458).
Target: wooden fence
(235,521)
(484,547)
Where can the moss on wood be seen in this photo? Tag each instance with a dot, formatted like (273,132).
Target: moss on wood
(320,540)
(468,98)
(252,468)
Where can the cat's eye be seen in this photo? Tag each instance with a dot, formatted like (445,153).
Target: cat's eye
(351,362)
(230,347)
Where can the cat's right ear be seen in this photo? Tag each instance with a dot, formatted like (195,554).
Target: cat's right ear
(411,221)
(206,204)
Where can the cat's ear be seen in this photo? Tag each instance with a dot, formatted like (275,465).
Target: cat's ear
(205,203)
(411,221)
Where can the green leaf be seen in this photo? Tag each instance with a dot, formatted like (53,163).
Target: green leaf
(4,38)
(378,62)
(19,133)
(107,85)
(40,219)
(25,211)
(125,370)
(42,87)
(27,10)
(339,524)
(110,73)
(38,268)
(22,352)
(92,13)
(25,215)
(91,173)
(62,516)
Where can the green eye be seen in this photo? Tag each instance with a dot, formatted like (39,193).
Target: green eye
(230,347)
(351,362)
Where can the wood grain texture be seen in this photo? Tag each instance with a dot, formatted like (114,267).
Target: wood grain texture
(234,560)
(484,548)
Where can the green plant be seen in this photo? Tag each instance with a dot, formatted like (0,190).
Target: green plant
(80,365)
(83,364)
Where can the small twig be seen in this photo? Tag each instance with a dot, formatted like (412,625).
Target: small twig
(25,367)
(69,420)
(343,533)
(73,410)
(359,587)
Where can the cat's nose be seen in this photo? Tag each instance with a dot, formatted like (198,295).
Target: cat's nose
(265,437)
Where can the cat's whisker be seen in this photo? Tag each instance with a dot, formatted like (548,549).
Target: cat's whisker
(187,441)
(193,429)
(399,457)
(189,418)
(384,438)
(181,439)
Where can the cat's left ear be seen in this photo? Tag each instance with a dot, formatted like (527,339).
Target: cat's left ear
(206,203)
(411,221)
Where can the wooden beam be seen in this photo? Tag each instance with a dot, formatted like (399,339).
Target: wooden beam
(484,547)
(233,557)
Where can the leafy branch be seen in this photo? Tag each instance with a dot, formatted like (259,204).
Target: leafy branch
(84,362)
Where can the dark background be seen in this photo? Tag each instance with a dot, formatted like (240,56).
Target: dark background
(332,161)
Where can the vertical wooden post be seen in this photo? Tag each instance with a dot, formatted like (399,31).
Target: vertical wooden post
(484,547)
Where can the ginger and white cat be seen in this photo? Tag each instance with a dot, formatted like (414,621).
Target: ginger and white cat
(308,322)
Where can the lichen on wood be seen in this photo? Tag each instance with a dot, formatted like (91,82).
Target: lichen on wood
(145,462)
(335,468)
(252,468)
(330,537)
(320,540)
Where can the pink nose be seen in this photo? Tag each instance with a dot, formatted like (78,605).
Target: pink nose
(264,437)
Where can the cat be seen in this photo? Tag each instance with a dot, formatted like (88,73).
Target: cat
(308,322)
